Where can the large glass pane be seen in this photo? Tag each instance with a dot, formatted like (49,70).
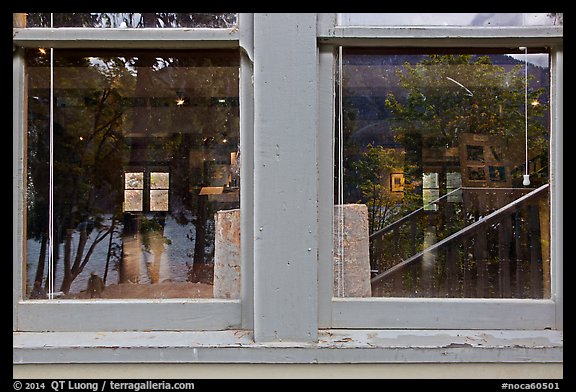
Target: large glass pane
(128,20)
(136,138)
(451,19)
(433,150)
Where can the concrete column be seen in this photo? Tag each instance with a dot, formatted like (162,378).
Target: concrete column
(227,254)
(351,251)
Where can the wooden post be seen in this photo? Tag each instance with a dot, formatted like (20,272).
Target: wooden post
(467,280)
(518,251)
(534,242)
(480,250)
(451,269)
(544,212)
(504,230)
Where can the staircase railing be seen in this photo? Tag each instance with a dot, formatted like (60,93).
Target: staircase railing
(479,227)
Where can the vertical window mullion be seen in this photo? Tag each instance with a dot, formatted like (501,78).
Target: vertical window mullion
(557,176)
(326,102)
(18,175)
(246,24)
(285,178)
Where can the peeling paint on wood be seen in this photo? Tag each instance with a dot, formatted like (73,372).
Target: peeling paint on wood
(333,346)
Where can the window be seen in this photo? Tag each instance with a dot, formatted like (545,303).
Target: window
(137,136)
(158,191)
(451,122)
(465,244)
(285,178)
(121,145)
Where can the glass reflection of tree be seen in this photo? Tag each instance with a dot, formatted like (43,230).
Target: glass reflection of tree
(194,122)
(91,148)
(435,112)
(87,151)
(131,20)
(424,115)
(372,177)
(425,109)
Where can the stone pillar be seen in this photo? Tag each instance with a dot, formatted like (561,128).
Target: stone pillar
(351,251)
(227,254)
(19,20)
(351,244)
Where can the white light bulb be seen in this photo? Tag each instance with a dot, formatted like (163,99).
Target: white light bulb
(526,181)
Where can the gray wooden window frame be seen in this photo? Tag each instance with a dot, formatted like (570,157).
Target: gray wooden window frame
(440,313)
(287,313)
(110,315)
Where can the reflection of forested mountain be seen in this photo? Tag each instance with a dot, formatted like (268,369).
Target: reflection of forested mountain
(370,75)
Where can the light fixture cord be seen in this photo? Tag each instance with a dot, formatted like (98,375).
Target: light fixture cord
(526,104)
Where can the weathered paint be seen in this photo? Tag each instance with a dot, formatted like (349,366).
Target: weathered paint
(557,185)
(410,36)
(443,313)
(129,315)
(351,257)
(325,145)
(333,346)
(285,184)
(72,37)
(18,212)
(246,26)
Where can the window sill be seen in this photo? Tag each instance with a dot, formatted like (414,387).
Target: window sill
(333,346)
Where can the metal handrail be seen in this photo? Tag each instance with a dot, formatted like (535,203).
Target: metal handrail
(459,233)
(392,225)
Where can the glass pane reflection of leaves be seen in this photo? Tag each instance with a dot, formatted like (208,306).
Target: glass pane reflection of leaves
(453,125)
(136,135)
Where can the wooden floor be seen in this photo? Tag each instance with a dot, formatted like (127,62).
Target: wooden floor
(157,290)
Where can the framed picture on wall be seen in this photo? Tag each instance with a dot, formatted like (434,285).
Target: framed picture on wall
(476,173)
(397,182)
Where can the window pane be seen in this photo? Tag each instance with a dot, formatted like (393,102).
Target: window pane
(129,20)
(133,200)
(158,200)
(451,19)
(430,166)
(159,180)
(137,136)
(134,180)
